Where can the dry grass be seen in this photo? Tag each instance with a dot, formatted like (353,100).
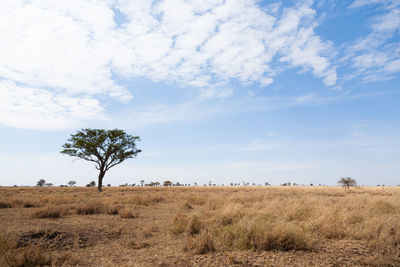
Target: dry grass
(129,213)
(47,212)
(360,226)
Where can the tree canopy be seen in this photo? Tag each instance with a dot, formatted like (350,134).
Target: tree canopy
(41,182)
(347,181)
(71,183)
(106,148)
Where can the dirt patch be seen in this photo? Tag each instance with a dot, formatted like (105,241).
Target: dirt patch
(52,239)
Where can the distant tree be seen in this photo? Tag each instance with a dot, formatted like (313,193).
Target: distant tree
(167,183)
(347,182)
(141,182)
(108,185)
(41,182)
(91,184)
(48,184)
(71,183)
(106,148)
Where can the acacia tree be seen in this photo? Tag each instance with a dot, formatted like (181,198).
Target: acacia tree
(347,181)
(41,182)
(167,183)
(71,183)
(106,148)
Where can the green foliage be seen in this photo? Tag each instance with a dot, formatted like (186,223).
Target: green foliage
(167,183)
(106,148)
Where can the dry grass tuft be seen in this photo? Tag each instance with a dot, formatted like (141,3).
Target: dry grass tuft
(129,213)
(146,200)
(195,225)
(26,257)
(200,244)
(4,205)
(93,207)
(48,212)
(149,230)
(180,224)
(30,204)
(112,209)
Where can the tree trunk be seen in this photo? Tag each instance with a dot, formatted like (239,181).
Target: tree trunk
(100,181)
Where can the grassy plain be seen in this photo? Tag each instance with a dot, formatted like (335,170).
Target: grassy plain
(200,226)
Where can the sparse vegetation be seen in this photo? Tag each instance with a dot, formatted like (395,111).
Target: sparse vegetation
(355,226)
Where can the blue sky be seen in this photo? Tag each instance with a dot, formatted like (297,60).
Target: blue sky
(221,91)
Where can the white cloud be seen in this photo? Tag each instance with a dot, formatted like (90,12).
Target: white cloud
(376,56)
(360,3)
(203,44)
(75,49)
(58,45)
(27,107)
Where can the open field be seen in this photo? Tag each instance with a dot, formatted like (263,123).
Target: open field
(200,226)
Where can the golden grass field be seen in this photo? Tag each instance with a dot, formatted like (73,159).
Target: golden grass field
(200,226)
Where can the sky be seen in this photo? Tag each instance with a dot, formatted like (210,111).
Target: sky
(218,90)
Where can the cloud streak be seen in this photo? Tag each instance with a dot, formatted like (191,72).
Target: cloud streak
(376,57)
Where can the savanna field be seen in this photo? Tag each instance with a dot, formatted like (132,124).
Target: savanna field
(200,226)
